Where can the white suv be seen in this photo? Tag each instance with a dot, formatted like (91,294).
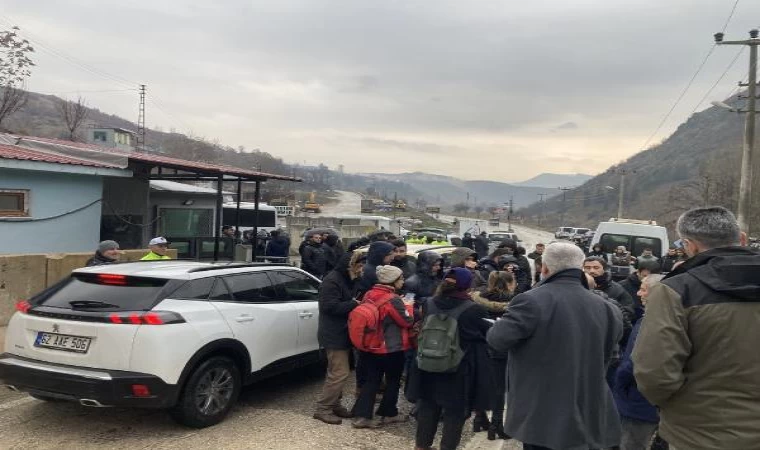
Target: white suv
(180,335)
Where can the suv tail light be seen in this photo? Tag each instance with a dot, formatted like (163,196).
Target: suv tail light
(146,318)
(23,306)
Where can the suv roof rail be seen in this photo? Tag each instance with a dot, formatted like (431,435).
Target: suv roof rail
(236,266)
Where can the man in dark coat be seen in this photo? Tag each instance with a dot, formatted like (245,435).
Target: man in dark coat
(560,337)
(380,253)
(279,245)
(669,260)
(632,285)
(314,260)
(429,274)
(336,301)
(536,255)
(597,268)
(468,241)
(482,245)
(402,260)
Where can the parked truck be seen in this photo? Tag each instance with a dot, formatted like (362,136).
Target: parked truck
(368,206)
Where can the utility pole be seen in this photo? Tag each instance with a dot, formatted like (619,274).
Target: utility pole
(511,209)
(564,200)
(621,190)
(141,120)
(541,213)
(745,182)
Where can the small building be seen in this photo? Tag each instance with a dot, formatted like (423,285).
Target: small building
(50,202)
(61,196)
(113,137)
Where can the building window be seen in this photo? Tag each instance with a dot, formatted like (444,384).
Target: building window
(14,203)
(99,136)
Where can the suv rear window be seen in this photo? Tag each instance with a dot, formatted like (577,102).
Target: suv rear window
(104,292)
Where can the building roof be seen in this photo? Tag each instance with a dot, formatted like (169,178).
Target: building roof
(153,163)
(25,154)
(173,186)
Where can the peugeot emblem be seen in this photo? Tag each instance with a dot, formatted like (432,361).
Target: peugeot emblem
(56,328)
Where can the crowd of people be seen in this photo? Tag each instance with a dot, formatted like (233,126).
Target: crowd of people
(662,359)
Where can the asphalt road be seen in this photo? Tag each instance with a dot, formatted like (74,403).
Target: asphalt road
(348,203)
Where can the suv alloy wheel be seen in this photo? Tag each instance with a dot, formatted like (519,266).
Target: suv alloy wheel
(209,394)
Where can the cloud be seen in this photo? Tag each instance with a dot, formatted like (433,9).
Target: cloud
(475,84)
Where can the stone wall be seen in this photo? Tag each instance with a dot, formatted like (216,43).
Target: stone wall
(22,276)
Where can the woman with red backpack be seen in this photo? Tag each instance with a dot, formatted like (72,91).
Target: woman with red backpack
(379,329)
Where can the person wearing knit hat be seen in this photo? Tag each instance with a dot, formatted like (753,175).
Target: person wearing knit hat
(388,360)
(107,253)
(452,396)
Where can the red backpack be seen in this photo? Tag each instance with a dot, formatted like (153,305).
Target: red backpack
(365,324)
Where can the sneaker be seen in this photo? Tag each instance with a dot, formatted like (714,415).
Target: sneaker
(342,412)
(400,418)
(328,418)
(363,422)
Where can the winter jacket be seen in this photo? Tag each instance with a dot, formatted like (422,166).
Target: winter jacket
(494,302)
(627,324)
(632,284)
(537,262)
(396,319)
(524,277)
(279,247)
(481,245)
(468,242)
(407,266)
(460,254)
(696,355)
(375,255)
(423,283)
(629,401)
(336,300)
(560,338)
(668,262)
(471,386)
(616,292)
(647,261)
(314,259)
(151,256)
(99,259)
(485,267)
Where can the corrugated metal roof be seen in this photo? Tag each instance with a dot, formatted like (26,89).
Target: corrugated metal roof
(165,161)
(25,154)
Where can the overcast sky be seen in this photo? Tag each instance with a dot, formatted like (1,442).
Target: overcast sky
(479,89)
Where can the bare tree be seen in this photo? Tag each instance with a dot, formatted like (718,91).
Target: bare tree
(74,114)
(479,210)
(15,68)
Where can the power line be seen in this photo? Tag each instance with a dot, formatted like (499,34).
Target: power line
(64,56)
(723,75)
(691,81)
(89,91)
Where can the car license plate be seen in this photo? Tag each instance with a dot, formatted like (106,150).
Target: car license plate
(64,342)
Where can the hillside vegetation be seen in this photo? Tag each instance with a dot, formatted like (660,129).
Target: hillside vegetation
(697,165)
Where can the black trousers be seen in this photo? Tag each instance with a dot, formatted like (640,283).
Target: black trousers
(499,370)
(428,416)
(390,365)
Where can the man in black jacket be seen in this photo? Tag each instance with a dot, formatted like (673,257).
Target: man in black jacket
(632,284)
(314,259)
(482,245)
(597,268)
(336,301)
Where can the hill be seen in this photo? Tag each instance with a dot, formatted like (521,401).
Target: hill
(697,165)
(555,180)
(448,191)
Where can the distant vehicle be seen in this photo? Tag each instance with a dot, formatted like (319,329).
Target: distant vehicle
(267,218)
(564,232)
(501,236)
(634,235)
(579,233)
(400,205)
(435,233)
(368,206)
(177,335)
(311,205)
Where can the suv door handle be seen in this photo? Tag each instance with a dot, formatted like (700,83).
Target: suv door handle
(305,315)
(244,318)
